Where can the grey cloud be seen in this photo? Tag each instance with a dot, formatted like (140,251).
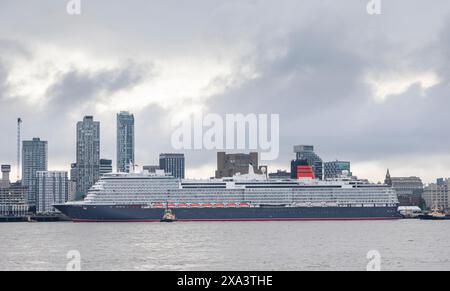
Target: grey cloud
(9,49)
(72,96)
(315,81)
(318,89)
(79,87)
(3,76)
(153,131)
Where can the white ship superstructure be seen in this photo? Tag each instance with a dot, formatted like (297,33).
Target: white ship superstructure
(252,190)
(148,197)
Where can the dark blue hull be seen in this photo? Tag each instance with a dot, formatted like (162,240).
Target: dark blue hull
(85,213)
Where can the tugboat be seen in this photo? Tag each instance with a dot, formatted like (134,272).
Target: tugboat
(168,216)
(435,214)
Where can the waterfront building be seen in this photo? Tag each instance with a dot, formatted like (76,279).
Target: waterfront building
(437,194)
(72,191)
(52,189)
(125,141)
(336,169)
(173,164)
(34,159)
(229,165)
(306,152)
(5,182)
(88,153)
(105,167)
(73,172)
(409,189)
(13,196)
(73,194)
(388,180)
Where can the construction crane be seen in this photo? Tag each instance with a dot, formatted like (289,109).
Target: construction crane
(19,122)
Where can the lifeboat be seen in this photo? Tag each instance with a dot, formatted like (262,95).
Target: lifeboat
(207,205)
(182,205)
(244,205)
(158,205)
(220,205)
(171,205)
(231,205)
(195,205)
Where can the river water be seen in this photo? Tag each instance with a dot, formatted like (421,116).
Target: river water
(401,245)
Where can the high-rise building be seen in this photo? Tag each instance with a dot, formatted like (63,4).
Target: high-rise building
(336,169)
(53,188)
(88,154)
(105,167)
(229,165)
(173,164)
(125,141)
(437,195)
(306,152)
(34,158)
(12,196)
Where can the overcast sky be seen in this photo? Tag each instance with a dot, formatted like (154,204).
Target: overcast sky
(372,89)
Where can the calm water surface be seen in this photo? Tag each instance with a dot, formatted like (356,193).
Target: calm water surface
(403,245)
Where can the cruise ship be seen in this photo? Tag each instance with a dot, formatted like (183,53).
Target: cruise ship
(145,197)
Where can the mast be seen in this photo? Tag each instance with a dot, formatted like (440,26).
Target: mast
(19,122)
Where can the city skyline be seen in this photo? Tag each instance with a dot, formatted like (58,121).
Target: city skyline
(221,60)
(284,167)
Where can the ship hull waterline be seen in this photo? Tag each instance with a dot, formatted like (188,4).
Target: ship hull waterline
(91,213)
